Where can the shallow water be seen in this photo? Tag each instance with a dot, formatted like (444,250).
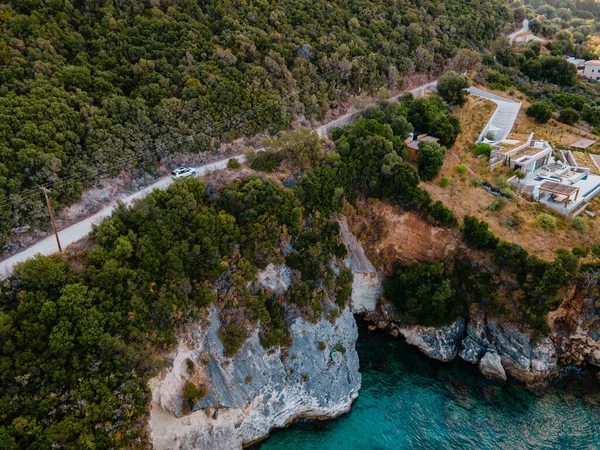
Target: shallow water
(410,401)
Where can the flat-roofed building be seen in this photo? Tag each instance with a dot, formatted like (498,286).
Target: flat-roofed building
(592,70)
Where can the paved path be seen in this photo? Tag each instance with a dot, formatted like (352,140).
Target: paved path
(523,29)
(502,121)
(79,230)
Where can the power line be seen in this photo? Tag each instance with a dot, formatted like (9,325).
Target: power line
(214,128)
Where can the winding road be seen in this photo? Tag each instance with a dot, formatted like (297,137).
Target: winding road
(69,235)
(523,29)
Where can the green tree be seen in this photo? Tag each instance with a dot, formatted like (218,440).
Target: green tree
(477,235)
(451,88)
(431,159)
(540,111)
(568,116)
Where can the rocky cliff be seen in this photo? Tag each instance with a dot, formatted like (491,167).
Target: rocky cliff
(576,331)
(257,389)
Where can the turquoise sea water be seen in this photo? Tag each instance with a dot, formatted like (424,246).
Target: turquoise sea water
(409,401)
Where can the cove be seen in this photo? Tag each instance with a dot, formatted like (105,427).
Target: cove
(410,401)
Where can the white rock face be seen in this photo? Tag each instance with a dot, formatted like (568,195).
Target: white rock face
(438,343)
(367,286)
(276,278)
(491,366)
(256,390)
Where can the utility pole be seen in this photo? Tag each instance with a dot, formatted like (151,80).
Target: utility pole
(45,191)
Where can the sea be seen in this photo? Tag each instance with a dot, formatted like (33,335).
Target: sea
(409,401)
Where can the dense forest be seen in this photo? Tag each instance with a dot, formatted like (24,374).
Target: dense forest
(89,89)
(79,334)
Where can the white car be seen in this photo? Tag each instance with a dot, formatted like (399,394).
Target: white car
(183,172)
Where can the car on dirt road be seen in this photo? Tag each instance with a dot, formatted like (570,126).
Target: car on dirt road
(183,172)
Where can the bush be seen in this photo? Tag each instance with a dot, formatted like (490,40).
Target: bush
(424,295)
(451,87)
(461,169)
(445,182)
(232,337)
(339,347)
(476,234)
(520,174)
(546,221)
(497,204)
(431,159)
(267,161)
(483,149)
(579,224)
(443,216)
(568,116)
(568,260)
(193,393)
(233,164)
(582,252)
(476,181)
(321,346)
(540,111)
(248,379)
(502,182)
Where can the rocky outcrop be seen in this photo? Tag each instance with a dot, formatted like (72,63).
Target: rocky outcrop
(257,389)
(367,286)
(437,343)
(491,366)
(501,348)
(576,331)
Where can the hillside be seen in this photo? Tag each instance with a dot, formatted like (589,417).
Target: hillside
(89,90)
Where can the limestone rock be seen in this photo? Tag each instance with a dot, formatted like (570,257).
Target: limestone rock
(367,286)
(470,350)
(438,343)
(256,390)
(491,366)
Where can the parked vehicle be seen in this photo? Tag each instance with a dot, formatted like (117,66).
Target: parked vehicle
(183,172)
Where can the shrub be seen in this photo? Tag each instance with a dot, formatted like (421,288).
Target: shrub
(568,260)
(193,393)
(497,204)
(431,159)
(582,252)
(443,216)
(476,181)
(339,347)
(321,346)
(476,234)
(233,164)
(579,224)
(451,88)
(461,169)
(540,111)
(267,161)
(424,294)
(502,182)
(546,221)
(248,379)
(568,116)
(191,367)
(483,149)
(445,182)
(520,174)
(232,337)
(513,222)
(596,250)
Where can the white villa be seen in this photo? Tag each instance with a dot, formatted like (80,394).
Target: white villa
(553,179)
